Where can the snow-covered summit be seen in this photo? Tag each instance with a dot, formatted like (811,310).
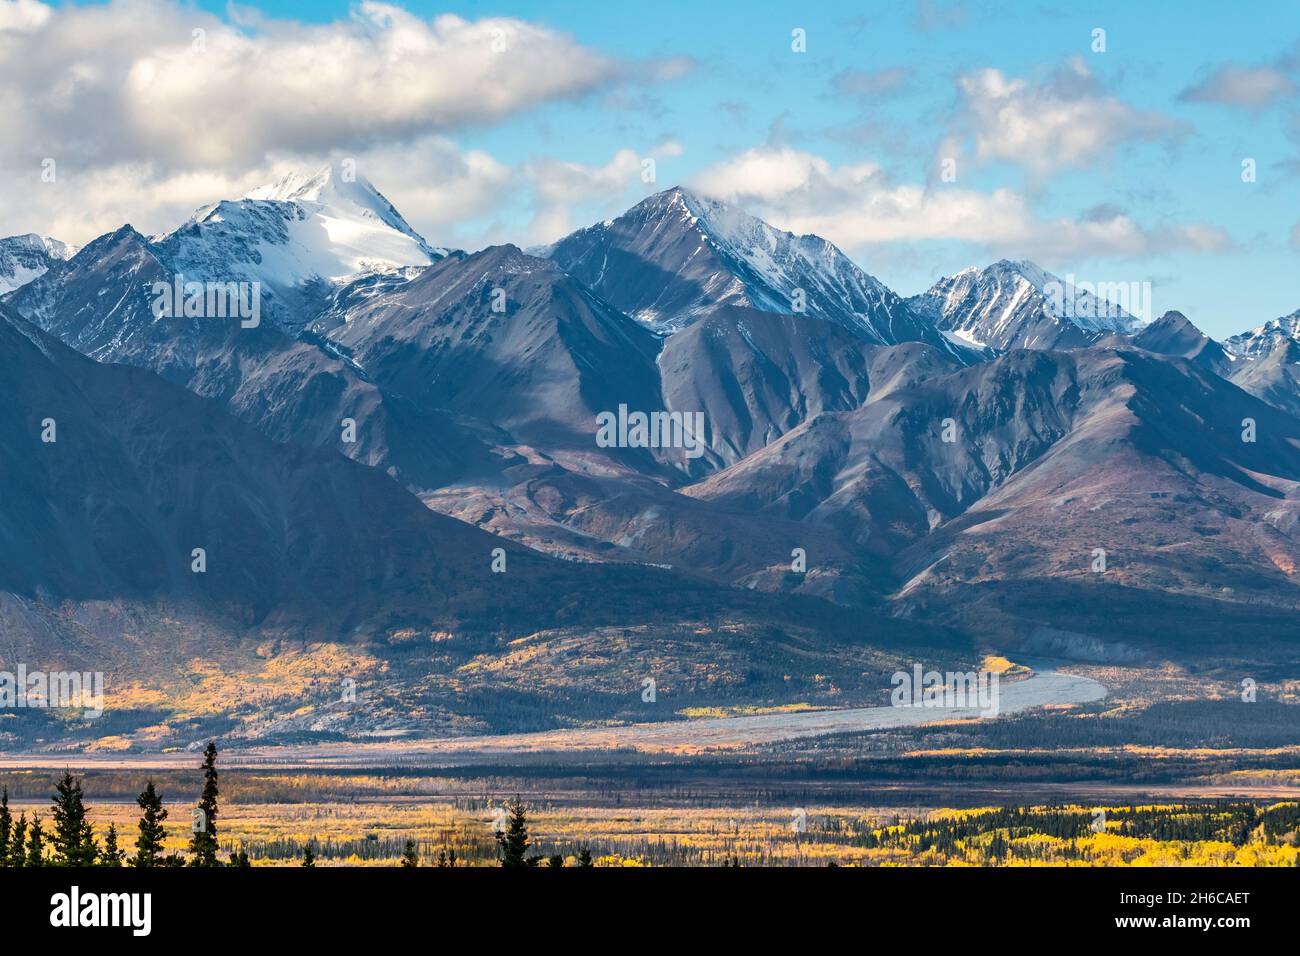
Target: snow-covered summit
(677,256)
(27,257)
(317,225)
(1018,304)
(340,197)
(1267,338)
(300,237)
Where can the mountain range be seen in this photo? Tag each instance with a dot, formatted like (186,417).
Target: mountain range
(1004,461)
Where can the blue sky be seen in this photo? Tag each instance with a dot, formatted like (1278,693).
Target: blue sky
(1122,165)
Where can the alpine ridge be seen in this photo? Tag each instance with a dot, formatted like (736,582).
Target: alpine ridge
(676,256)
(1019,305)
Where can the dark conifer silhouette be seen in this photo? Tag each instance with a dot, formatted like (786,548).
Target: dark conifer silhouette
(512,843)
(409,855)
(74,837)
(35,844)
(149,844)
(6,827)
(203,845)
(111,855)
(17,846)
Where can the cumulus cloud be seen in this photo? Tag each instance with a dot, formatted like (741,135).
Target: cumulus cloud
(1066,121)
(85,203)
(775,173)
(439,188)
(22,16)
(451,195)
(559,186)
(136,79)
(856,205)
(1238,86)
(150,108)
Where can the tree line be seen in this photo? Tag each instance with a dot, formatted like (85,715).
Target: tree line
(71,841)
(513,846)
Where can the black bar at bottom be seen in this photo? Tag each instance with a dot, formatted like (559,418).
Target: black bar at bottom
(330,905)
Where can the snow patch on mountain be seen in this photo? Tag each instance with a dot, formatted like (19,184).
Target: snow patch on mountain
(676,257)
(1018,304)
(782,263)
(1265,339)
(299,237)
(27,257)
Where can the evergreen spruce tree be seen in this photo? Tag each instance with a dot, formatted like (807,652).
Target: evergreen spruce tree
(74,838)
(409,856)
(239,859)
(308,858)
(513,842)
(203,845)
(555,860)
(584,857)
(149,844)
(6,826)
(111,855)
(17,846)
(35,844)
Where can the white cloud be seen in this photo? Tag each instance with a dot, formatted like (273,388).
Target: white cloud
(152,80)
(558,181)
(85,203)
(856,205)
(1251,87)
(452,196)
(560,185)
(437,187)
(765,173)
(1066,121)
(22,16)
(431,181)
(151,108)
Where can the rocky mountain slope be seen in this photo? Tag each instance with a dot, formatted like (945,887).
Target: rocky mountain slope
(24,258)
(1018,305)
(676,256)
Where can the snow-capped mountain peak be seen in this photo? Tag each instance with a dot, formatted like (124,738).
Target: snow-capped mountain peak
(1266,338)
(299,237)
(340,196)
(27,257)
(1064,300)
(1018,304)
(677,256)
